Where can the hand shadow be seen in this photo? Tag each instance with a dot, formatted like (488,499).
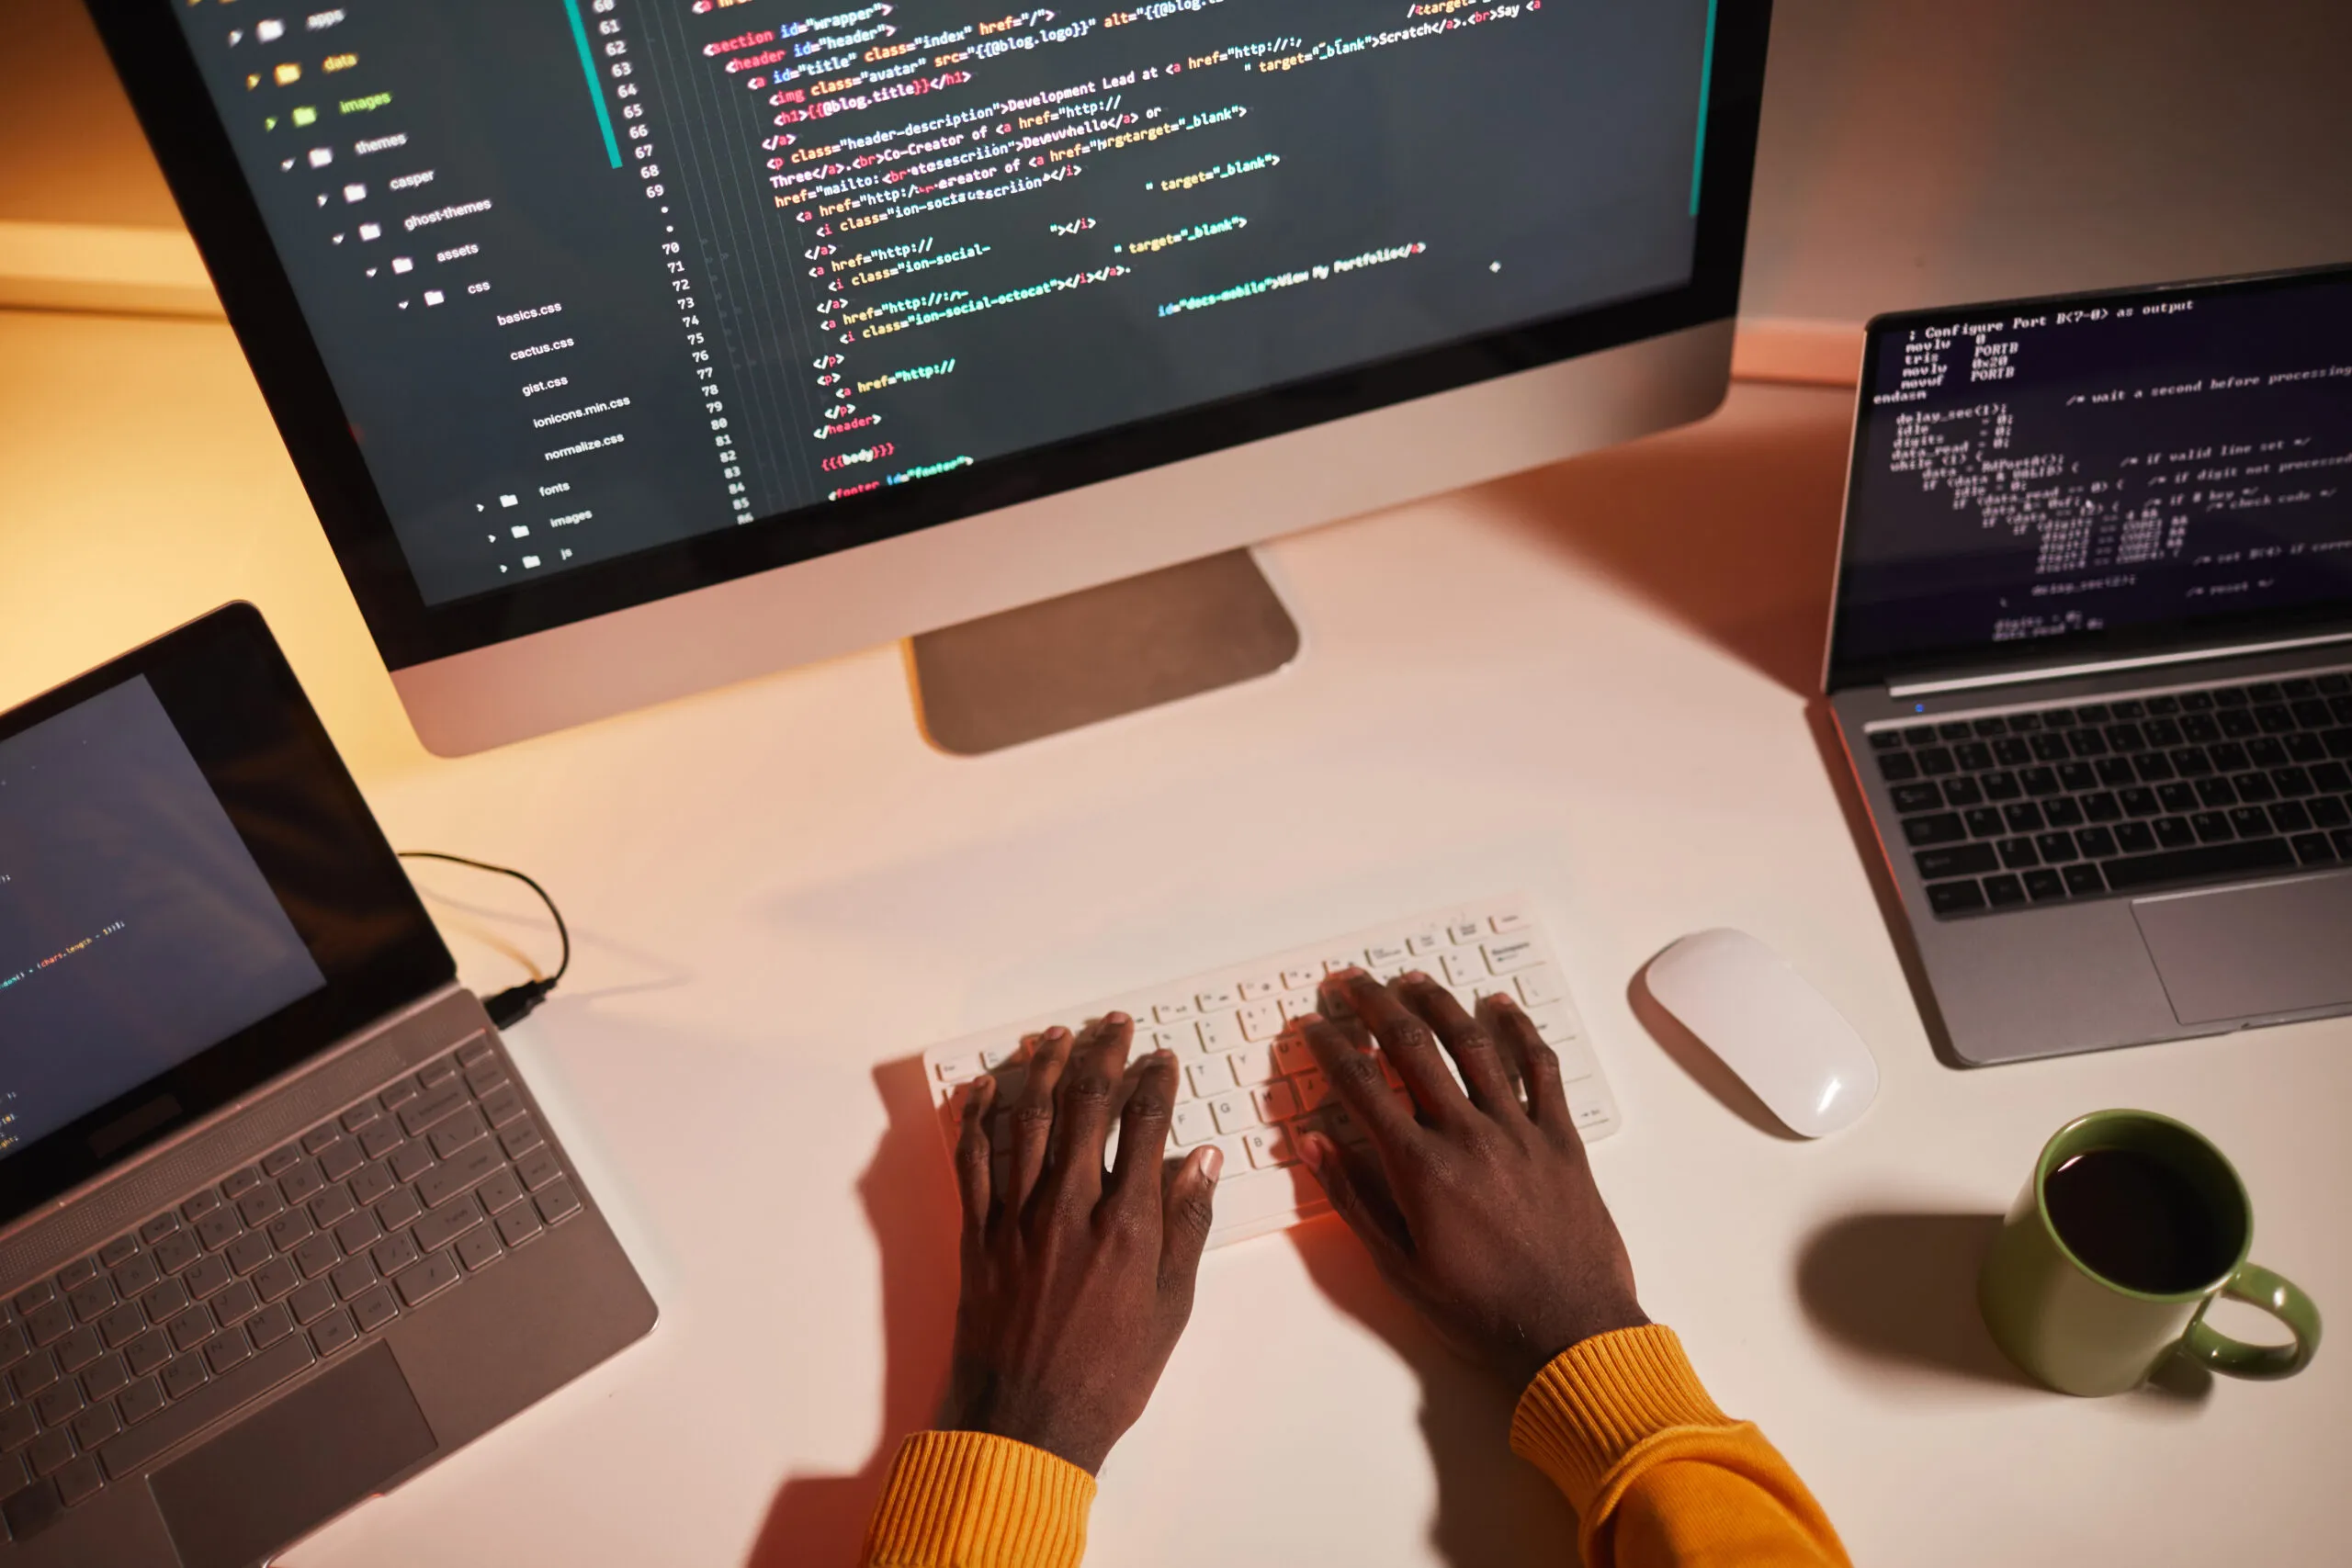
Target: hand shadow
(1494,1510)
(819,1521)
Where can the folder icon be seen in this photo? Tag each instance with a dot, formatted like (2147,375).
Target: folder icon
(290,71)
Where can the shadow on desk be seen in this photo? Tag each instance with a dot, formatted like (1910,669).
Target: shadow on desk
(1730,524)
(1494,1510)
(819,1521)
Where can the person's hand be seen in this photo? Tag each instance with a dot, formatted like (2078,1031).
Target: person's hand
(1480,1212)
(1076,1282)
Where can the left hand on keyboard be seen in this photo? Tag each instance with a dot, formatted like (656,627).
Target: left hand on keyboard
(1076,1280)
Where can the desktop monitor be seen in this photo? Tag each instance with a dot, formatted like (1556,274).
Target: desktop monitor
(627,347)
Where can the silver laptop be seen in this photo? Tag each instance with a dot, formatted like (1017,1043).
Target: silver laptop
(2091,658)
(279,1223)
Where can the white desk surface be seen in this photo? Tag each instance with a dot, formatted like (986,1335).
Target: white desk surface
(1590,681)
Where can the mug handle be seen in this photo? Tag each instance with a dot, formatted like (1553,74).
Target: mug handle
(2279,1298)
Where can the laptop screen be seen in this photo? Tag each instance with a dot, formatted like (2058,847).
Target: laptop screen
(2100,475)
(193,897)
(137,930)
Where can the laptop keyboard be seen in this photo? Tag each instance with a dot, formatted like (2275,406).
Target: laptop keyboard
(2205,784)
(165,1329)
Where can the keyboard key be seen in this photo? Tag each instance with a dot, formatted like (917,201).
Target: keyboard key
(399,1209)
(479,1248)
(353,1278)
(78,1350)
(50,1452)
(312,1301)
(303,1183)
(2062,813)
(48,1322)
(226,1352)
(1207,1079)
(2054,848)
(411,1160)
(379,1137)
(435,1230)
(2131,872)
(2001,786)
(248,1252)
(316,1256)
(2175,832)
(95,1425)
(538,1168)
(371,1183)
(1966,860)
(340,1158)
(2039,781)
(2135,838)
(176,1251)
(58,1402)
(1925,831)
(276,1279)
(2003,891)
(518,1225)
(429,1109)
(2083,878)
(147,1352)
(373,1309)
(1918,798)
(270,1326)
(17,1427)
(428,1278)
(122,1325)
(2250,822)
(1190,1123)
(2313,849)
(106,1380)
(184,1376)
(1896,767)
(333,1333)
(2043,886)
(1935,761)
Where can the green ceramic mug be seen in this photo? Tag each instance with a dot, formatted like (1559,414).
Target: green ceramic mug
(2152,1223)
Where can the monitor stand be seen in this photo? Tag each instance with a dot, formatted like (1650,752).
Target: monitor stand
(1061,663)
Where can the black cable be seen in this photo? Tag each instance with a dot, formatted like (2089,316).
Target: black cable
(513,1005)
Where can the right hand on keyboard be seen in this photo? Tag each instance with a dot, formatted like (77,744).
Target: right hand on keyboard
(1481,1213)
(1076,1281)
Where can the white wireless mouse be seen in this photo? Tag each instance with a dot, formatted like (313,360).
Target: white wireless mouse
(1782,1038)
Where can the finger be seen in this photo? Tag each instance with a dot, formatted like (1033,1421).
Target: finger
(1472,1048)
(1357,1079)
(1033,1116)
(1190,1209)
(1405,1041)
(1143,1135)
(974,1156)
(1539,1065)
(1359,1195)
(1083,1109)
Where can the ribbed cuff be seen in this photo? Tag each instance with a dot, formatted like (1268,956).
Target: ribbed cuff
(968,1500)
(1598,1400)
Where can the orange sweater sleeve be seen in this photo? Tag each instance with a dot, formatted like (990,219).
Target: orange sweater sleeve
(967,1500)
(1657,1476)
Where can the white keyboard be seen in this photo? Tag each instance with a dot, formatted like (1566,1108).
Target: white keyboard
(1244,1089)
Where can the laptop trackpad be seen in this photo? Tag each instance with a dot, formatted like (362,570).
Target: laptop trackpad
(2236,952)
(287,1468)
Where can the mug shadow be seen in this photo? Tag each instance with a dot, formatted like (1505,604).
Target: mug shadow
(1900,1289)
(1494,1510)
(819,1521)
